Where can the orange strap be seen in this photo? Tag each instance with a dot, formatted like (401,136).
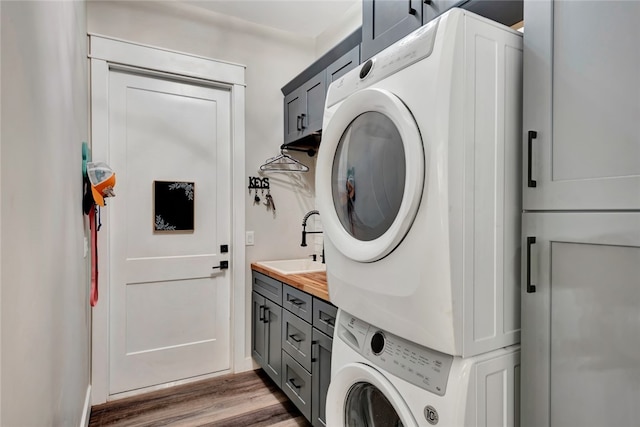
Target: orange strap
(94,256)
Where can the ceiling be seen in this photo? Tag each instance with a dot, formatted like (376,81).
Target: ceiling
(307,18)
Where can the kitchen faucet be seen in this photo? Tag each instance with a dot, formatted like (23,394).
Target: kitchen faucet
(305,232)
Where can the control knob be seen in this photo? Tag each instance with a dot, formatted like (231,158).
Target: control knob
(377,343)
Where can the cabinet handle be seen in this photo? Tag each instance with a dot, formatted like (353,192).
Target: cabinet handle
(530,287)
(532,134)
(302,116)
(266,315)
(297,302)
(412,11)
(313,346)
(262,313)
(295,338)
(331,321)
(427,1)
(298,123)
(292,382)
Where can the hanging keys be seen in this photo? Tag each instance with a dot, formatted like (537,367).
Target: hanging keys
(269,202)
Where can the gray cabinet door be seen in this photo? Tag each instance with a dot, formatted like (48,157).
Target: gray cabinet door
(343,65)
(258,328)
(293,110)
(320,377)
(314,91)
(273,341)
(386,21)
(580,319)
(581,105)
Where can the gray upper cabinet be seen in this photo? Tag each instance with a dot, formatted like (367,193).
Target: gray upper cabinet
(343,65)
(386,21)
(433,9)
(304,107)
(581,105)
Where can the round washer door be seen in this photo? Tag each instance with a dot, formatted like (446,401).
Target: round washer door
(359,395)
(370,174)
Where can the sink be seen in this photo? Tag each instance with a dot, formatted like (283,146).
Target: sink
(294,266)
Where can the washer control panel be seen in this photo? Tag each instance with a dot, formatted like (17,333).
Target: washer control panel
(418,365)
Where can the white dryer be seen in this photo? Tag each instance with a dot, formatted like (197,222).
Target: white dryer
(418,186)
(379,379)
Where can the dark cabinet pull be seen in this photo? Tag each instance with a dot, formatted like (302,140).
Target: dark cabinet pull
(298,123)
(331,321)
(532,134)
(314,343)
(412,11)
(530,287)
(427,1)
(262,313)
(266,315)
(295,338)
(297,302)
(292,382)
(302,126)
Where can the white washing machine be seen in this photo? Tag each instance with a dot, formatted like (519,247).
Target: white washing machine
(380,379)
(418,186)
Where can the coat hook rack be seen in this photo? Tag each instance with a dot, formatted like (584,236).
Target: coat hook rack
(258,183)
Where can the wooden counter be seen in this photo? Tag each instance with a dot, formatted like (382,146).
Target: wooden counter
(311,283)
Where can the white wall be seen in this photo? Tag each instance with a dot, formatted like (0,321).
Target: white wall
(45,304)
(351,21)
(272,58)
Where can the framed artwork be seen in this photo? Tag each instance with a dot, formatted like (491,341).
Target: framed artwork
(173,206)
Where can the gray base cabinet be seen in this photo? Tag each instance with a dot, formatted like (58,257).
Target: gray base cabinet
(580,319)
(298,355)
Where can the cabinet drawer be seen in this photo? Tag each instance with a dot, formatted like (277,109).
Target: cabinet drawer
(297,302)
(296,338)
(324,316)
(267,287)
(296,384)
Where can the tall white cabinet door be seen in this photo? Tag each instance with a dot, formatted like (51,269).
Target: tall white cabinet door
(580,319)
(581,105)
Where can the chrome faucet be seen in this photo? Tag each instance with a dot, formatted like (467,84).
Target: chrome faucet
(305,232)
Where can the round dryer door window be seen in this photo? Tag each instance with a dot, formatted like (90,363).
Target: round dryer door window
(360,395)
(370,174)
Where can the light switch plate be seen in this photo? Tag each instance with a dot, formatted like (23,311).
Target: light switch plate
(249,238)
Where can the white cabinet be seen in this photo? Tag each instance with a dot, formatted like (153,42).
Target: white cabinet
(581,105)
(581,325)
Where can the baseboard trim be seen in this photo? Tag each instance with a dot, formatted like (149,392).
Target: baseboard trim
(86,411)
(246,365)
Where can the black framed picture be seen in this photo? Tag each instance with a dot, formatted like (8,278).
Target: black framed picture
(173,206)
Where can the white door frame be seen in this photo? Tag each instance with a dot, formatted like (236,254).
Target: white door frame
(105,52)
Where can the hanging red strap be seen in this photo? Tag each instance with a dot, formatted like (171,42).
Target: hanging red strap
(94,256)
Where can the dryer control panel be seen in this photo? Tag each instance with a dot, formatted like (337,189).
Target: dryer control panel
(418,365)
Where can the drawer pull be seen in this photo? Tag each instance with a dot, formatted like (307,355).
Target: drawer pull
(293,384)
(297,302)
(295,338)
(331,321)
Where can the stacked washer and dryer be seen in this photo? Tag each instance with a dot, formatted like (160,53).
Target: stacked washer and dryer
(418,186)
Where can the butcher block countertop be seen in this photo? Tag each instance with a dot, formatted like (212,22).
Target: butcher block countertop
(311,283)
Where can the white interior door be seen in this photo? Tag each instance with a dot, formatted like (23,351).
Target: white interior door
(169,308)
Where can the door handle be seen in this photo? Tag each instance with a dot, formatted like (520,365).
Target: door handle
(532,134)
(412,11)
(302,116)
(531,288)
(222,266)
(262,313)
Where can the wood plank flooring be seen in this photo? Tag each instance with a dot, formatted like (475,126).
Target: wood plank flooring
(237,400)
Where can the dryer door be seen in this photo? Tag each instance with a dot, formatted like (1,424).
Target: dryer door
(370,174)
(359,395)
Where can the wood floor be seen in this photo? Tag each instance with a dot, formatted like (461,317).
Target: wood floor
(238,400)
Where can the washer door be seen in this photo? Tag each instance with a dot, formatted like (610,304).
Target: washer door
(370,174)
(359,395)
